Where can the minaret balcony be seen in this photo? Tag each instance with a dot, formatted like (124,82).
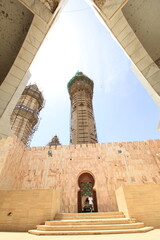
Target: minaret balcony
(26,113)
(35,93)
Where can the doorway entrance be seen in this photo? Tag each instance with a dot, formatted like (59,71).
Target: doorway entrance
(86,183)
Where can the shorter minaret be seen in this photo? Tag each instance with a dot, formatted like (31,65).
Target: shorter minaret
(54,141)
(24,118)
(83,128)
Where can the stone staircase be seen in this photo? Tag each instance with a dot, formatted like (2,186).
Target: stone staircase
(90,223)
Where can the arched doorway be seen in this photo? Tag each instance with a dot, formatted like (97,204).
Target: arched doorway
(86,183)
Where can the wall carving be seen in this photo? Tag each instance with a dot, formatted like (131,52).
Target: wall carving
(137,163)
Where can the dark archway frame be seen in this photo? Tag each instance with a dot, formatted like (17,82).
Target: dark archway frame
(86,177)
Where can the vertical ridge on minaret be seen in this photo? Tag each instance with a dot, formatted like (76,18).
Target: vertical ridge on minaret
(83,128)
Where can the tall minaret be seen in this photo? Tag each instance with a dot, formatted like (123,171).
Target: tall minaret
(25,115)
(83,128)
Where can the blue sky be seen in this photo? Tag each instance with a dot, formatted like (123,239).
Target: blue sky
(123,109)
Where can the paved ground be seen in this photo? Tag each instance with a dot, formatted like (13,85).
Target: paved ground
(152,235)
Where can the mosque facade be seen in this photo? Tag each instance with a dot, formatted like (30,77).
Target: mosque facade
(80,169)
(38,182)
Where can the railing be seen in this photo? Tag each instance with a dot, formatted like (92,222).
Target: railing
(28,112)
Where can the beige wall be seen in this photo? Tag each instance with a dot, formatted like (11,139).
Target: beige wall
(27,208)
(141,202)
(136,163)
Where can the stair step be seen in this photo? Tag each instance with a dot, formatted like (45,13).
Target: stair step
(91,221)
(89,227)
(88,216)
(90,213)
(87,232)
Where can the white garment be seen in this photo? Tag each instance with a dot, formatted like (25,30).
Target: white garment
(90,200)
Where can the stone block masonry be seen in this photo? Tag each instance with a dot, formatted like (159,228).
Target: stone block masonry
(21,210)
(141,202)
(112,165)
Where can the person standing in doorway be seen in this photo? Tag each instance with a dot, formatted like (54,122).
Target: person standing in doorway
(90,199)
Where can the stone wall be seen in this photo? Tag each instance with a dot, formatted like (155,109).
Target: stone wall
(11,154)
(112,165)
(141,202)
(22,210)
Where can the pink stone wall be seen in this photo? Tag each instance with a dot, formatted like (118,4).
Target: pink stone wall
(112,165)
(11,154)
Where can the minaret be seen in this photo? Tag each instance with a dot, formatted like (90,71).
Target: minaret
(24,117)
(83,128)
